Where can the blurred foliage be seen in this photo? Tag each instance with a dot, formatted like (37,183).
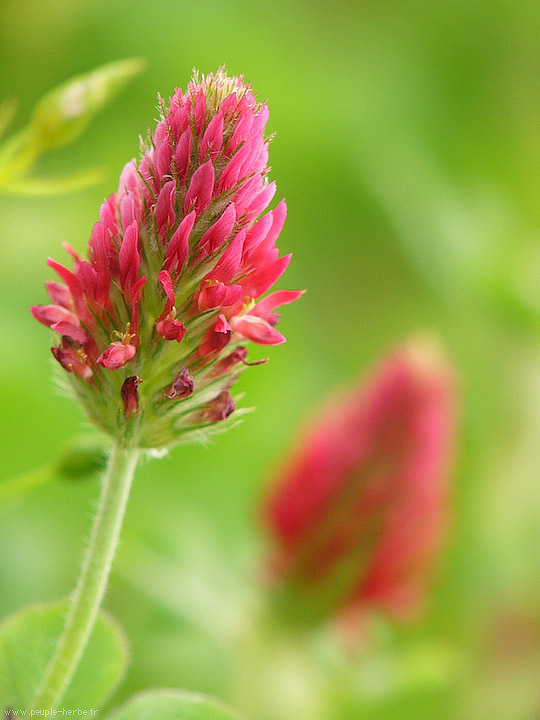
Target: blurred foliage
(408,148)
(58,119)
(26,639)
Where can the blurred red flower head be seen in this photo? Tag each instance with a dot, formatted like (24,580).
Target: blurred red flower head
(359,511)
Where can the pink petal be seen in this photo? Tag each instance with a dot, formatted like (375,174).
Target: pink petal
(213,138)
(274,300)
(256,329)
(178,247)
(129,258)
(182,155)
(50,314)
(116,355)
(200,190)
(165,279)
(71,330)
(164,210)
(226,268)
(70,361)
(259,281)
(171,329)
(216,235)
(162,157)
(59,294)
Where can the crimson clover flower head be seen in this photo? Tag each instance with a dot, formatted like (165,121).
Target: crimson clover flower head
(151,326)
(358,513)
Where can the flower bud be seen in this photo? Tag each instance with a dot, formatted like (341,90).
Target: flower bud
(358,513)
(66,110)
(130,395)
(175,271)
(182,385)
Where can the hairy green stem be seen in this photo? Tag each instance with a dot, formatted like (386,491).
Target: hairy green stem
(92,583)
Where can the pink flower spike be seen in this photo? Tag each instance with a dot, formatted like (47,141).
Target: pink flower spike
(177,257)
(256,329)
(116,355)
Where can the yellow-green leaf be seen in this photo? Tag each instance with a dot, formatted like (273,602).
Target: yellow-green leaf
(64,112)
(43,187)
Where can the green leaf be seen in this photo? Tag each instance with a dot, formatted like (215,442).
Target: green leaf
(44,187)
(172,705)
(27,642)
(66,110)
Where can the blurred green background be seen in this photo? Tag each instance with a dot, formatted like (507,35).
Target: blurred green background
(408,149)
